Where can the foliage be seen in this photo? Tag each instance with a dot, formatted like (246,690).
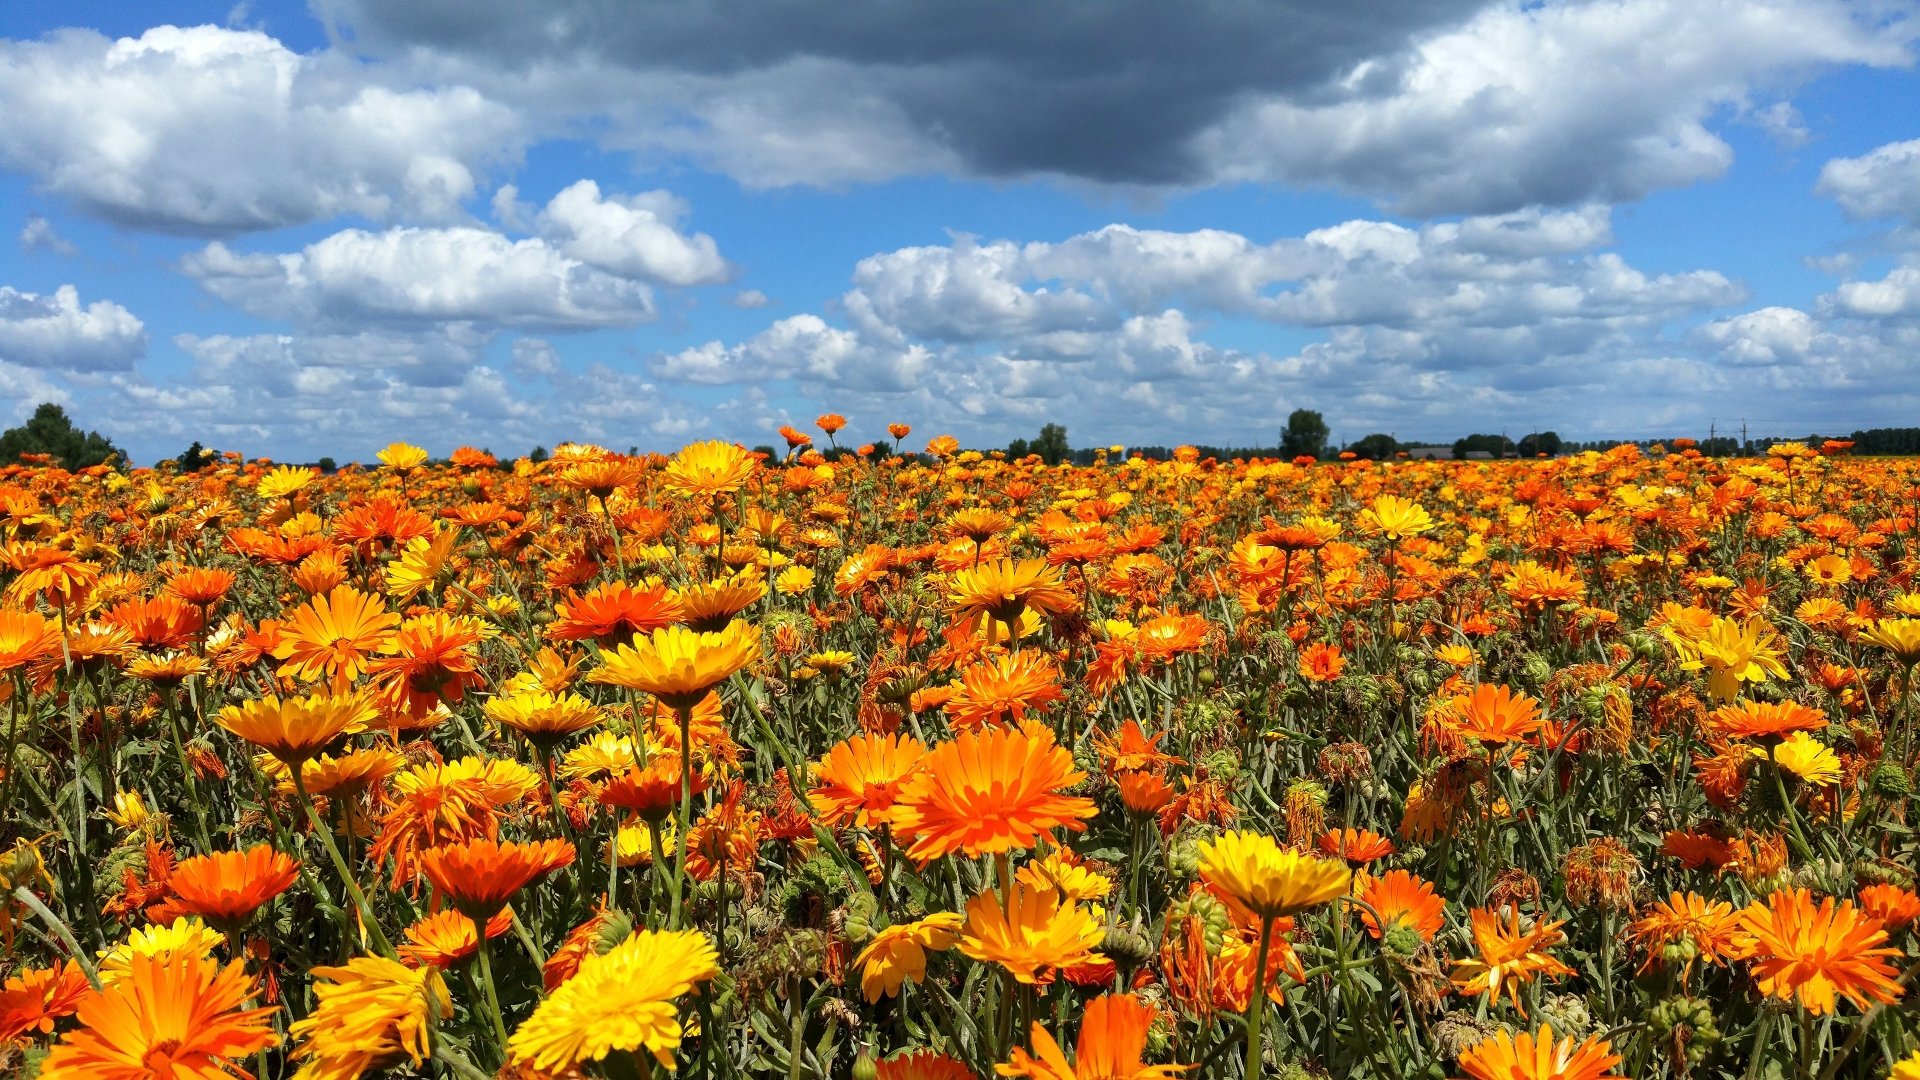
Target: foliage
(49,431)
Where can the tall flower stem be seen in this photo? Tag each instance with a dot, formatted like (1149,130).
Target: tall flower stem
(684,713)
(1256,1005)
(486,986)
(371,925)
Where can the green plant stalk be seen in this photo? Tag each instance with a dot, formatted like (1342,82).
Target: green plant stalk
(1256,1011)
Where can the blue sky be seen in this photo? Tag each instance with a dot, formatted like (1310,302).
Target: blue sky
(305,229)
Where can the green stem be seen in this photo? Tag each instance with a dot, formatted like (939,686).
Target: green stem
(367,921)
(486,986)
(32,902)
(1256,1011)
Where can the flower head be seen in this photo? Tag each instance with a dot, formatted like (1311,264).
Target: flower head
(989,791)
(898,954)
(1505,1056)
(227,887)
(1113,1036)
(175,1016)
(679,666)
(621,1000)
(1262,880)
(372,1013)
(479,876)
(860,778)
(296,729)
(1814,955)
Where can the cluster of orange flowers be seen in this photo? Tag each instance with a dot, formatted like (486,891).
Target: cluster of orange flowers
(944,765)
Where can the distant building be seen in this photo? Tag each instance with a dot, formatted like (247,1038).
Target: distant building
(1443,453)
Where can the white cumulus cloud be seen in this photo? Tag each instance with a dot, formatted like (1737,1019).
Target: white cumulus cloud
(58,332)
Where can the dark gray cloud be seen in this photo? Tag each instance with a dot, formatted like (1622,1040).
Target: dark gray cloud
(1104,91)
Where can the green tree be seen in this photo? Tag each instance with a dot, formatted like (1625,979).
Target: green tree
(1376,447)
(1052,444)
(328,465)
(1018,449)
(1305,436)
(50,432)
(1540,442)
(538,455)
(194,458)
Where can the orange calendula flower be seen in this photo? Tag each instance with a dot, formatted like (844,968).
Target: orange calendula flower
(333,636)
(1814,955)
(709,468)
(614,613)
(1113,1036)
(898,954)
(1262,880)
(1131,749)
(922,1064)
(1891,904)
(479,876)
(1003,689)
(1509,957)
(32,1000)
(1399,898)
(989,791)
(176,1016)
(1505,1056)
(1765,721)
(227,887)
(1354,845)
(1496,714)
(1704,928)
(859,780)
(26,636)
(447,938)
(1031,934)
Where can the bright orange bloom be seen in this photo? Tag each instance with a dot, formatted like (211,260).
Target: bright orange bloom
(1130,749)
(831,422)
(614,613)
(1813,955)
(332,636)
(1495,714)
(859,779)
(201,586)
(26,636)
(447,938)
(1706,925)
(447,803)
(1031,934)
(709,468)
(1113,1036)
(989,791)
(651,790)
(1145,793)
(32,1000)
(1509,956)
(1766,721)
(1505,1056)
(1321,662)
(177,1016)
(227,887)
(1891,904)
(898,954)
(1355,845)
(922,1064)
(479,876)
(160,622)
(1003,689)
(1401,899)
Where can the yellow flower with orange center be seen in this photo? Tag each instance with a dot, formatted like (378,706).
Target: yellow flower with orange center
(1262,880)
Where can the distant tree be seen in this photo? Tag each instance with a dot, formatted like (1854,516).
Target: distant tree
(1492,445)
(1306,434)
(1376,447)
(538,455)
(1052,444)
(1540,442)
(772,454)
(1018,449)
(882,448)
(194,458)
(328,465)
(50,432)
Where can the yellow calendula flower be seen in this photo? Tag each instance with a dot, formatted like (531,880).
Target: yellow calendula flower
(129,810)
(679,666)
(793,581)
(898,954)
(1803,756)
(624,1000)
(1901,637)
(372,1012)
(1255,874)
(188,936)
(403,456)
(1731,652)
(1395,518)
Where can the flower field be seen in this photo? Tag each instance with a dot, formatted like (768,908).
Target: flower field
(949,766)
